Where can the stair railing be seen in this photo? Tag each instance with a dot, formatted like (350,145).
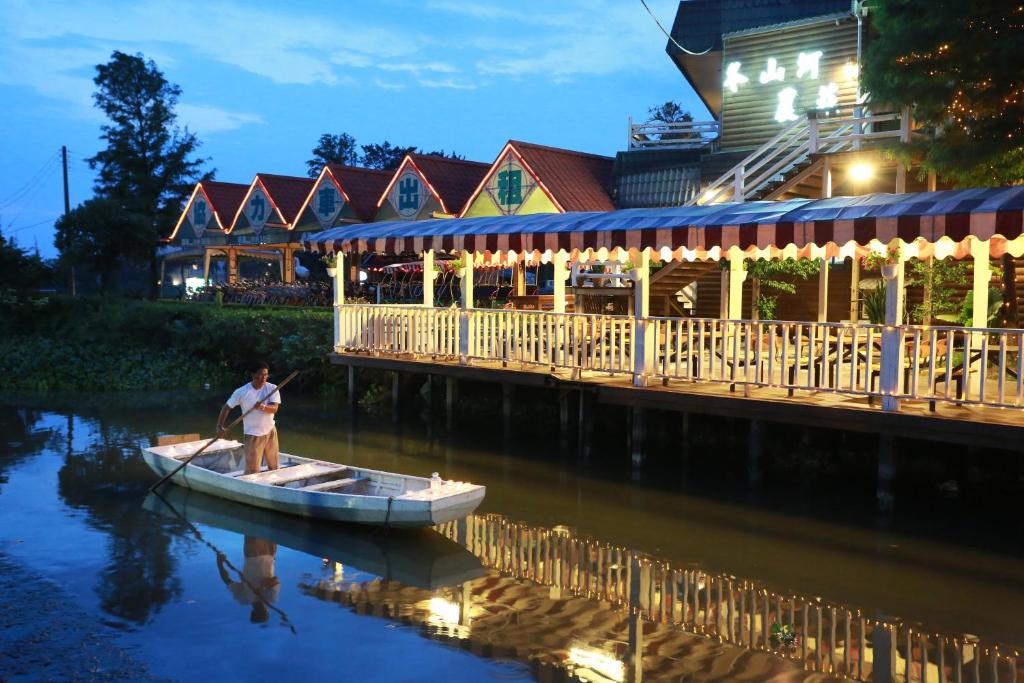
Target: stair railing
(808,135)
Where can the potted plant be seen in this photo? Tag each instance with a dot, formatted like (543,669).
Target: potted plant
(331,261)
(886,262)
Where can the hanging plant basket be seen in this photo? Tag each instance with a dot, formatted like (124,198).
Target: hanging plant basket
(889,271)
(332,272)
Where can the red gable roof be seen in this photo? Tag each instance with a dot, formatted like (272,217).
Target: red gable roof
(578,181)
(453,179)
(225,198)
(287,192)
(362,186)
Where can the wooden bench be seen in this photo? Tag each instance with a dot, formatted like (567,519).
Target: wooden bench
(335,484)
(286,475)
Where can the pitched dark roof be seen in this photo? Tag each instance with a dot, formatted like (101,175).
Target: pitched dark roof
(577,180)
(453,179)
(287,192)
(225,198)
(700,24)
(363,187)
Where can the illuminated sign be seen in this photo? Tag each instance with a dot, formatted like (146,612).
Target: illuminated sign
(201,215)
(408,195)
(257,209)
(807,69)
(510,185)
(327,202)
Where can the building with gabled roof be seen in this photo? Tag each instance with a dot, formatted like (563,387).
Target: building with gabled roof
(429,186)
(529,178)
(340,195)
(208,212)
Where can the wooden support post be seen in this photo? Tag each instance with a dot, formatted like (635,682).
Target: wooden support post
(979,296)
(823,290)
(736,277)
(755,450)
(901,177)
(892,339)
(340,342)
(353,270)
(508,398)
(207,255)
(644,341)
(854,289)
(429,275)
(886,473)
(351,388)
(826,178)
(451,386)
(280,266)
(465,318)
(932,181)
(519,278)
(638,436)
(232,266)
(396,395)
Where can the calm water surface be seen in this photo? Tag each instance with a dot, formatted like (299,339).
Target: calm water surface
(593,571)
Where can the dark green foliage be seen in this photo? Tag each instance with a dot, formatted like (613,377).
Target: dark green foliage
(384,155)
(148,167)
(958,65)
(778,274)
(117,344)
(20,272)
(874,304)
(332,149)
(103,234)
(938,278)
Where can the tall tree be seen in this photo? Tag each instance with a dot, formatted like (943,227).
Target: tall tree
(332,149)
(149,165)
(384,155)
(958,65)
(104,233)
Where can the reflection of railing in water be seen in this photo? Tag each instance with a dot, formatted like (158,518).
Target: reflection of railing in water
(832,639)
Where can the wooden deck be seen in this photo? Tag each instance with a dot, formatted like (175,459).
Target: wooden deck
(970,424)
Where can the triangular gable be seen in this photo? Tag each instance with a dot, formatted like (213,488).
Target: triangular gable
(325,201)
(362,186)
(271,201)
(528,178)
(208,206)
(421,177)
(409,191)
(342,194)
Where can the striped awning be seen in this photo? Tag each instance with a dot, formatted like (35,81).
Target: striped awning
(796,227)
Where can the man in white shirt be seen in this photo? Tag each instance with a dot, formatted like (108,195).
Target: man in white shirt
(258,426)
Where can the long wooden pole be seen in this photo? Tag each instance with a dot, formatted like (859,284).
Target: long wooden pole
(209,443)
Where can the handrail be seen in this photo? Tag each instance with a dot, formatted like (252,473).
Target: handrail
(696,134)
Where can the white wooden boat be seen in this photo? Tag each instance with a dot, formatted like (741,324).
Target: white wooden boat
(316,488)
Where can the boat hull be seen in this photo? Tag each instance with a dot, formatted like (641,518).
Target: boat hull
(339,507)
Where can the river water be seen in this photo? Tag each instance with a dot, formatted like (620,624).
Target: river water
(572,569)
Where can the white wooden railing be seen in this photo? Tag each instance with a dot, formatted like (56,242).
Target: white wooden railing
(937,365)
(813,133)
(674,135)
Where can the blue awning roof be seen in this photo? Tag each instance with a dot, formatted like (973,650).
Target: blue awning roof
(955,214)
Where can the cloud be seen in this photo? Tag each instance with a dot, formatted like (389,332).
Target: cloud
(418,67)
(445,83)
(204,119)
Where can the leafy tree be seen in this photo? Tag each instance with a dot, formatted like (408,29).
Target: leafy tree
(939,280)
(958,64)
(332,149)
(103,234)
(384,155)
(148,167)
(441,153)
(20,271)
(777,275)
(671,112)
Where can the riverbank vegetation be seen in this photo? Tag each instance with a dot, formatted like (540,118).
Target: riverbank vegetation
(105,344)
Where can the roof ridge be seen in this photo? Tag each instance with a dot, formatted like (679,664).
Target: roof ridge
(223,182)
(362,169)
(437,157)
(560,150)
(285,177)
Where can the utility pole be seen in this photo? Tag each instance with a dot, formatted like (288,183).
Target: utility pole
(67,210)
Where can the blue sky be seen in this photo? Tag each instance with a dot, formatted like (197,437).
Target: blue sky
(262,81)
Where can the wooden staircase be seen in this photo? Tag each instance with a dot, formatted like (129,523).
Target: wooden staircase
(668,281)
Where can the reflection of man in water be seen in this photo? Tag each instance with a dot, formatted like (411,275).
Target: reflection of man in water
(257,585)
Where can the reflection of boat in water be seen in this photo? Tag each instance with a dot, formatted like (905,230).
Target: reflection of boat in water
(314,488)
(417,557)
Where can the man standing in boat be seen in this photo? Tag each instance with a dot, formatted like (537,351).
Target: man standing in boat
(258,425)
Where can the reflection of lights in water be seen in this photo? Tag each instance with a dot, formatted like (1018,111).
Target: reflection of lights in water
(443,611)
(606,667)
(562,530)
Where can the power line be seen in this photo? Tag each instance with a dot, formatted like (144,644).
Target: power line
(32,182)
(28,198)
(669,35)
(33,225)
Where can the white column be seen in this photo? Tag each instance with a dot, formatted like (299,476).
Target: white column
(643,347)
(980,303)
(823,291)
(892,338)
(854,289)
(466,301)
(339,296)
(561,274)
(429,275)
(736,277)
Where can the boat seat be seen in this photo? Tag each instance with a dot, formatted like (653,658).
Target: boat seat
(285,475)
(334,484)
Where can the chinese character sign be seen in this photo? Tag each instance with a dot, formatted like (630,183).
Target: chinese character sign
(408,195)
(510,185)
(327,202)
(257,210)
(200,215)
